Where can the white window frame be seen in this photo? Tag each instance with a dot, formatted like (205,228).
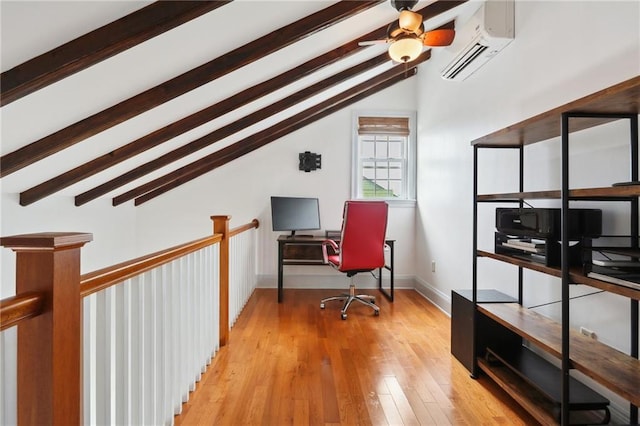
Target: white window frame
(409,158)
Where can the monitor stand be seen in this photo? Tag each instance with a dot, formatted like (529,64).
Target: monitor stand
(293,235)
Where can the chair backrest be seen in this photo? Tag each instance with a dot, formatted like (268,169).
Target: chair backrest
(364,227)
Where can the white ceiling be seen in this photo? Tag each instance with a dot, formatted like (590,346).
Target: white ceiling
(153,62)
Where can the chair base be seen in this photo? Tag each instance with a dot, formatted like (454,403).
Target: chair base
(365,299)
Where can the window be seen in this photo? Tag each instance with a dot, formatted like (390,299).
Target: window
(384,157)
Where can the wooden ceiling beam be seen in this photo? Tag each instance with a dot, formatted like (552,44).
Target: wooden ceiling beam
(276,132)
(438,7)
(229,129)
(98,45)
(297,121)
(170,89)
(194,120)
(186,124)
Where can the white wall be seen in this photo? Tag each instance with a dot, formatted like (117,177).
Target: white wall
(112,229)
(563,50)
(242,188)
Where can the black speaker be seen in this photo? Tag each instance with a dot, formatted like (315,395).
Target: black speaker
(309,161)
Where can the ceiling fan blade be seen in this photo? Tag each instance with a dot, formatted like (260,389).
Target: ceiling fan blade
(372,42)
(439,38)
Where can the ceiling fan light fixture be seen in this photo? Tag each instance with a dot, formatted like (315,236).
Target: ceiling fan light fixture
(405,49)
(409,20)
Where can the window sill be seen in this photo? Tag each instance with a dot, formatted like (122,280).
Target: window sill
(392,203)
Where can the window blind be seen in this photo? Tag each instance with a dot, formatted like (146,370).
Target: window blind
(383,126)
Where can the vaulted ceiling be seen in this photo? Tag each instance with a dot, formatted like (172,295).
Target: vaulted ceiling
(172,90)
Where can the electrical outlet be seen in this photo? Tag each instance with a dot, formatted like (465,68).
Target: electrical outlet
(589,333)
(433,266)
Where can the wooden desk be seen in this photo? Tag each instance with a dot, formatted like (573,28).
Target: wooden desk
(308,251)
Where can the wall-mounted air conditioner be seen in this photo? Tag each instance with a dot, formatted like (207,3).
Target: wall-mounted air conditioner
(488,31)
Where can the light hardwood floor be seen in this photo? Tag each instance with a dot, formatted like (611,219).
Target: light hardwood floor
(293,363)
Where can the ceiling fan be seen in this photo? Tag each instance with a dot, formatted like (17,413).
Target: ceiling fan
(407,35)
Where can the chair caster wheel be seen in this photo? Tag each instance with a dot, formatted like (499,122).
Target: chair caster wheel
(343,316)
(322,306)
(376,313)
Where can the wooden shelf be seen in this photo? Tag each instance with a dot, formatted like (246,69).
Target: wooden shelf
(622,98)
(534,402)
(607,193)
(576,276)
(607,366)
(530,399)
(547,378)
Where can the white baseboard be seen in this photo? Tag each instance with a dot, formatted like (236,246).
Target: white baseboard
(441,300)
(333,281)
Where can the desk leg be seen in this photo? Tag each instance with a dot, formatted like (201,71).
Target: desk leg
(280,269)
(387,294)
(391,279)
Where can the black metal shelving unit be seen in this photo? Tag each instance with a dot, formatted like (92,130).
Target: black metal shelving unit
(619,102)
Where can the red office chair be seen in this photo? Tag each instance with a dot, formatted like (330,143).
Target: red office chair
(360,249)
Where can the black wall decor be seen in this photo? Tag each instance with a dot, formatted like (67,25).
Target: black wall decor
(309,161)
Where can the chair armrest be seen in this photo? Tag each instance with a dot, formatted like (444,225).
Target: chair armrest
(334,247)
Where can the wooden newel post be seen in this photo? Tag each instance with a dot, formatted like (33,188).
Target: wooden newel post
(50,344)
(221,226)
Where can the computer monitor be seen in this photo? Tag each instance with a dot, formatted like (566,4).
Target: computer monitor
(295,214)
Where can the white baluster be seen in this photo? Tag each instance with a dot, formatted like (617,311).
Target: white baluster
(149,358)
(216,293)
(104,357)
(233,281)
(200,341)
(206,310)
(211,283)
(124,373)
(88,361)
(137,329)
(178,296)
(167,401)
(8,378)
(158,347)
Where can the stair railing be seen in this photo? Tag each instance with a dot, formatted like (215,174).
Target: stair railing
(141,333)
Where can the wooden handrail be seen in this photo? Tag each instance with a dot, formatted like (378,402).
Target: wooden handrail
(20,307)
(28,305)
(101,279)
(255,223)
(93,282)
